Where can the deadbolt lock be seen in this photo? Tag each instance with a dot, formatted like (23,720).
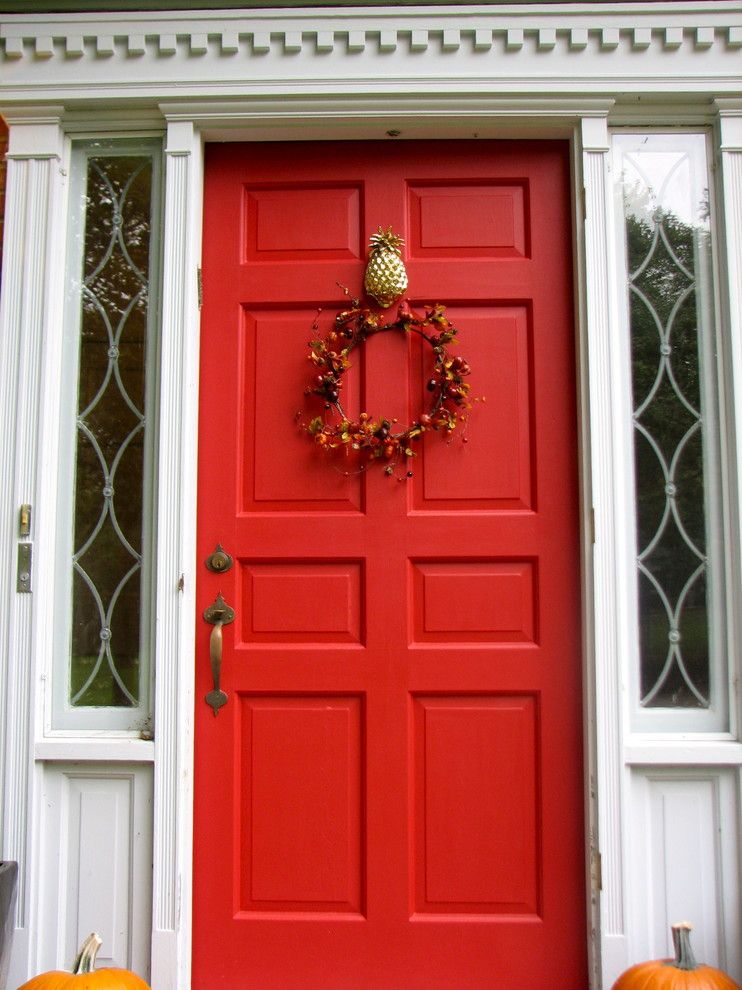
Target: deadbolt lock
(219,561)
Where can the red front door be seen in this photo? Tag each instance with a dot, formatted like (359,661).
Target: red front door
(392,795)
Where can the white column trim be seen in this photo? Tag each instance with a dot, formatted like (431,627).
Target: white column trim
(28,318)
(592,891)
(176,575)
(730,125)
(606,457)
(34,133)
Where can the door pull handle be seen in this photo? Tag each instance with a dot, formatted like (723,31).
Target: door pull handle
(219,615)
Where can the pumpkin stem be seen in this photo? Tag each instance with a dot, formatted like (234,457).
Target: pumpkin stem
(684,958)
(85,961)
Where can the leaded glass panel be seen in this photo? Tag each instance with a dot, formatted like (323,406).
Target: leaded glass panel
(108,486)
(112,462)
(665,206)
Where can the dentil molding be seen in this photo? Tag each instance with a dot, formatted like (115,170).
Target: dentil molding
(689,43)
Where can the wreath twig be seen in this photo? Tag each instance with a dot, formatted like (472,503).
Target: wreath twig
(375,437)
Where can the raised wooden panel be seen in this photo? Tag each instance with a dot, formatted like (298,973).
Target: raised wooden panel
(301,223)
(462,220)
(301,804)
(97,873)
(281,469)
(495,468)
(385,361)
(296,602)
(468,601)
(476,788)
(679,852)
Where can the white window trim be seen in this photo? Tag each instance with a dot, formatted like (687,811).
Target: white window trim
(60,717)
(712,723)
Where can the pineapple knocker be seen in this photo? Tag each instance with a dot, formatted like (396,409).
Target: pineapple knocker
(386,277)
(378,438)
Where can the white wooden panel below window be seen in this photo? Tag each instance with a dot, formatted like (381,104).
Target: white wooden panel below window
(684,863)
(98,863)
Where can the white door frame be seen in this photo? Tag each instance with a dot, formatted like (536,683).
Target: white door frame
(586,128)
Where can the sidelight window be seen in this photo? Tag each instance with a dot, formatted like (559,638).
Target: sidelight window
(665,211)
(103,668)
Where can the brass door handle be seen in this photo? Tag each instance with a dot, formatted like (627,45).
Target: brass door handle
(217,697)
(219,614)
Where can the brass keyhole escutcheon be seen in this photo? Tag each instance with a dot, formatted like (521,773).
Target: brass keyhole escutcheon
(219,561)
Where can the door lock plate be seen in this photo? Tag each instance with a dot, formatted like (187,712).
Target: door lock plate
(25,555)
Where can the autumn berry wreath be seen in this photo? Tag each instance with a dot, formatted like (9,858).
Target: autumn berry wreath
(375,437)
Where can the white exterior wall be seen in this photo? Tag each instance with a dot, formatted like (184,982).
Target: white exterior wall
(663,812)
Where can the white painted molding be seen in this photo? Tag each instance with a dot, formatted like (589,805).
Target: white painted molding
(94,749)
(592,861)
(610,24)
(594,132)
(653,752)
(176,575)
(35,186)
(34,133)
(730,124)
(214,116)
(730,116)
(608,603)
(578,48)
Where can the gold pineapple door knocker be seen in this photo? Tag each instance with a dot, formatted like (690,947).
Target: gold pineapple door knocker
(385,279)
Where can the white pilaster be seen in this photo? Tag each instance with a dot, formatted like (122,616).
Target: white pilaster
(29,315)
(607,453)
(176,576)
(730,120)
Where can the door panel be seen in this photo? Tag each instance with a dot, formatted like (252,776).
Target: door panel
(476,805)
(301,772)
(392,796)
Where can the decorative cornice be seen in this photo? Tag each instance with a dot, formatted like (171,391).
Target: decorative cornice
(202,52)
(261,35)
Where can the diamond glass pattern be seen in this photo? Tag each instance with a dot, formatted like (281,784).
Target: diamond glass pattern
(666,229)
(107,558)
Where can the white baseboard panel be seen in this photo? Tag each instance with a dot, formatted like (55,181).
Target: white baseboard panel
(96,851)
(684,863)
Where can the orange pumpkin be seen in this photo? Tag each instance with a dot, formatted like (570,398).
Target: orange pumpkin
(84,977)
(680,973)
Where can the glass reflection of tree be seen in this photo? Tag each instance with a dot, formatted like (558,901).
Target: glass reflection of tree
(668,452)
